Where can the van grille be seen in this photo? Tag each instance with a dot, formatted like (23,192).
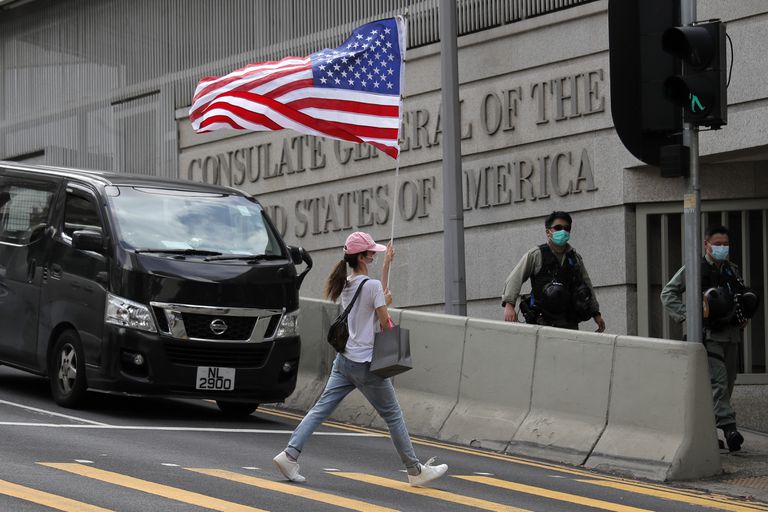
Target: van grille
(199,326)
(246,356)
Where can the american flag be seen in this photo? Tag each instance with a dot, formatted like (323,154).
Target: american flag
(349,93)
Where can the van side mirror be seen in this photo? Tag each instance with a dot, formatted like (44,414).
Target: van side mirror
(295,254)
(88,241)
(298,256)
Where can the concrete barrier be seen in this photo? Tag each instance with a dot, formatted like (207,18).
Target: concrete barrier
(631,405)
(496,384)
(660,421)
(430,391)
(569,404)
(316,354)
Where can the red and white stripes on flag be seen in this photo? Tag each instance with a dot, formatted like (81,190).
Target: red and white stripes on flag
(349,93)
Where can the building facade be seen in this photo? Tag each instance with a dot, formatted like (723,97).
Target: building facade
(107,84)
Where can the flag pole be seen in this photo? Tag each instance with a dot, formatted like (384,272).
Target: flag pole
(405,17)
(394,210)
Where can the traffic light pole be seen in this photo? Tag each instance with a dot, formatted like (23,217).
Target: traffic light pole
(692,215)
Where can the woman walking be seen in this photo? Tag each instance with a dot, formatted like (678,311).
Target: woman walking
(351,369)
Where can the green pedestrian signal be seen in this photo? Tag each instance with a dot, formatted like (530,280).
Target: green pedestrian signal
(701,88)
(695,103)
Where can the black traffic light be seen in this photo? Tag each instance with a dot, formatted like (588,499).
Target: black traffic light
(701,90)
(645,117)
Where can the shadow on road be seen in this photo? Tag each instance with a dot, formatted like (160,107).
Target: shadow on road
(34,391)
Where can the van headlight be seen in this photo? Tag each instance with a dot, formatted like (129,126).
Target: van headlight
(126,313)
(289,325)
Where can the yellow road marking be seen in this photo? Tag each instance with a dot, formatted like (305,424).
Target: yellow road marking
(47,499)
(165,491)
(683,493)
(673,496)
(554,495)
(437,444)
(432,493)
(295,490)
(694,493)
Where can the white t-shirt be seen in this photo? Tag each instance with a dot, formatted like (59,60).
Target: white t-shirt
(362,320)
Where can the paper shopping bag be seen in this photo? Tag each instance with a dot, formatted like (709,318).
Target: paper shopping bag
(391,352)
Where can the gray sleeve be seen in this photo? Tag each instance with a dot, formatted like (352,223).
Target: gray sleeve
(594,305)
(672,296)
(520,274)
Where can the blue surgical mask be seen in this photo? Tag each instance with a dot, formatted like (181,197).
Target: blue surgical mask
(720,252)
(560,238)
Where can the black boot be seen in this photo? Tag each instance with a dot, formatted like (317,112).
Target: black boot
(733,438)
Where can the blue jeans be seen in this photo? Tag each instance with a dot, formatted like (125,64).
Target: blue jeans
(345,376)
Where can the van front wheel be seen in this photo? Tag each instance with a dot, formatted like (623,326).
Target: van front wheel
(236,409)
(67,371)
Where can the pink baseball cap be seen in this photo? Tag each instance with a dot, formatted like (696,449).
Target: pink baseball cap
(359,242)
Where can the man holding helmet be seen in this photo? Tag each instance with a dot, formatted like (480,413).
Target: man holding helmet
(727,305)
(561,292)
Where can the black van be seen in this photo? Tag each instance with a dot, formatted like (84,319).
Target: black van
(133,284)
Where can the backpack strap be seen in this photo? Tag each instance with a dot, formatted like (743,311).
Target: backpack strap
(345,314)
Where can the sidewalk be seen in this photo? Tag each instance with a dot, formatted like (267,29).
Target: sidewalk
(745,473)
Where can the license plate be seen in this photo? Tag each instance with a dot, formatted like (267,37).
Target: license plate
(215,378)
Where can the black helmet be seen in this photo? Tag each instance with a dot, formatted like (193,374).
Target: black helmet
(718,304)
(555,298)
(582,307)
(749,302)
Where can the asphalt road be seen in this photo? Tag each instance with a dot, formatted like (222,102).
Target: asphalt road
(138,454)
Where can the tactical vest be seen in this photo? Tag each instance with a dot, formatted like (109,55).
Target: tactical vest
(569,273)
(726,277)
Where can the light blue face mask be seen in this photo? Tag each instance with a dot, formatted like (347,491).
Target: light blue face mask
(560,238)
(720,252)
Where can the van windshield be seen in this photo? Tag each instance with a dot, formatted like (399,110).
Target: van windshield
(163,220)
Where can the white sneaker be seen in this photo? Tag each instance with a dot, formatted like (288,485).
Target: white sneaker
(288,468)
(428,473)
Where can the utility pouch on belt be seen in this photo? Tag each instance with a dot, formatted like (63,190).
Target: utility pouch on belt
(528,309)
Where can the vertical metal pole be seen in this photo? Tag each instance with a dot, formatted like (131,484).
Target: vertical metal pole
(453,213)
(692,215)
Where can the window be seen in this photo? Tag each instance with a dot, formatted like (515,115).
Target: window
(149,218)
(80,214)
(24,208)
(660,251)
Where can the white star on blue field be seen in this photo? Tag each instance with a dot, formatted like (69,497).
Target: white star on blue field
(368,61)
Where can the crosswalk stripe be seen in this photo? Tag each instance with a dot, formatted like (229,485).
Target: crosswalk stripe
(432,493)
(554,495)
(47,499)
(437,444)
(638,486)
(673,496)
(295,490)
(165,491)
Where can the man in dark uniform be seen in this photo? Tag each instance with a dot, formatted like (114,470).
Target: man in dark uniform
(724,319)
(561,292)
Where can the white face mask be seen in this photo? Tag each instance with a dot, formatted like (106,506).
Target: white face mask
(720,252)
